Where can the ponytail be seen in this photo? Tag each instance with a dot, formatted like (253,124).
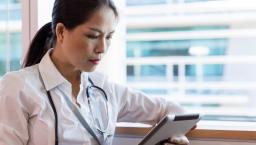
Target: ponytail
(40,44)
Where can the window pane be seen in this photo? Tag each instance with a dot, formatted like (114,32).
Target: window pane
(10,35)
(197,57)
(152,2)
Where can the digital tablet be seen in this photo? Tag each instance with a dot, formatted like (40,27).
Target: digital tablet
(171,125)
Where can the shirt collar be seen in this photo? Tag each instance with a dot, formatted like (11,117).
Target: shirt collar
(53,78)
(49,73)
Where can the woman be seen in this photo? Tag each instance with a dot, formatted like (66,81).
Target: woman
(36,102)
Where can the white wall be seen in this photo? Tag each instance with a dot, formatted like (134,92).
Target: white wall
(114,62)
(44,12)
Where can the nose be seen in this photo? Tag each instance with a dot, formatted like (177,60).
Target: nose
(101,46)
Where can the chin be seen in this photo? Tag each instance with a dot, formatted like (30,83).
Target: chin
(89,69)
(92,70)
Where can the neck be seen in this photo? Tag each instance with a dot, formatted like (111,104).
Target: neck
(68,71)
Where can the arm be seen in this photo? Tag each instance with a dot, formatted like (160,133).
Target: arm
(13,115)
(136,106)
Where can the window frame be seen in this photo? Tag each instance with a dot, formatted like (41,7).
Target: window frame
(29,23)
(205,132)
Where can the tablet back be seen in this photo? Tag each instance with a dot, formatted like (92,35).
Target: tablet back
(171,125)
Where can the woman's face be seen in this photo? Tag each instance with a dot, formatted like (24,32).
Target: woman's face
(83,47)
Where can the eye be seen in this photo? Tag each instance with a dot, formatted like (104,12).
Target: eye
(92,36)
(109,37)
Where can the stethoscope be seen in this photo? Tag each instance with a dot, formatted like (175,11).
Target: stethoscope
(98,125)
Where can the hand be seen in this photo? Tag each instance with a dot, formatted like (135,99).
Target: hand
(176,140)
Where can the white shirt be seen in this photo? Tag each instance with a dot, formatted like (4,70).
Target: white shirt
(26,117)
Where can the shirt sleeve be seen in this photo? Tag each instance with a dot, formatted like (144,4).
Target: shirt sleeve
(135,106)
(13,113)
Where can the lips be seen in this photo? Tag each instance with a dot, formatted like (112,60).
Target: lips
(95,61)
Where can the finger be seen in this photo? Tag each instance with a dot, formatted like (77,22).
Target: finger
(181,140)
(193,128)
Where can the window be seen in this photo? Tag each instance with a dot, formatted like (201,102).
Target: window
(152,2)
(200,53)
(10,35)
(144,2)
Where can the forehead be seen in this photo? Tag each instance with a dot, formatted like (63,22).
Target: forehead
(103,19)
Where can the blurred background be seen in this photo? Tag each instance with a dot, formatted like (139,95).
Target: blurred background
(201,53)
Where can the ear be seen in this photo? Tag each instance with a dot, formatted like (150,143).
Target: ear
(60,29)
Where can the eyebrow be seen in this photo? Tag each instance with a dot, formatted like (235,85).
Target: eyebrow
(99,31)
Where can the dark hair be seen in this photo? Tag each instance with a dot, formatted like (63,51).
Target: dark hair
(70,13)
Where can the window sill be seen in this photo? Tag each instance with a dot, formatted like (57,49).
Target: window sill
(205,130)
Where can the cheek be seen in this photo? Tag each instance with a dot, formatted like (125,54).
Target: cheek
(83,44)
(77,49)
(80,51)
(77,46)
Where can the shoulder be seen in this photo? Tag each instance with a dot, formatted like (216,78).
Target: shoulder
(99,79)
(97,75)
(19,88)
(102,80)
(17,80)
(20,76)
